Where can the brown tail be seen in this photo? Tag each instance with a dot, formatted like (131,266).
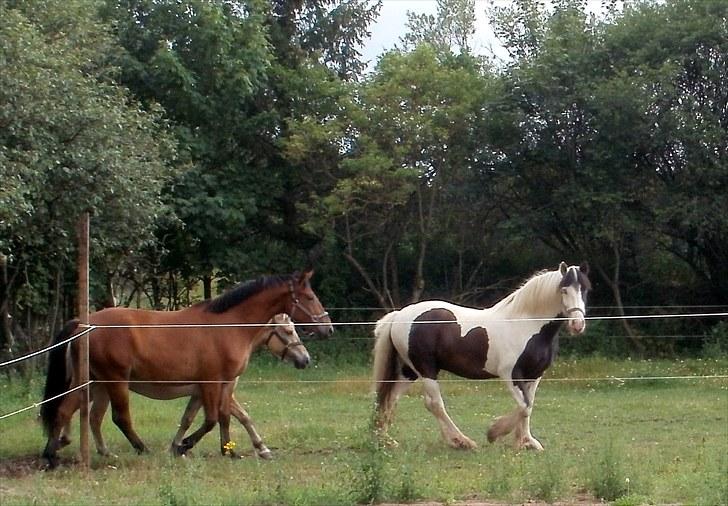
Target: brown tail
(58,379)
(385,360)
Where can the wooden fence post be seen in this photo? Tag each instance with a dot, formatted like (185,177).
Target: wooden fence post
(83,315)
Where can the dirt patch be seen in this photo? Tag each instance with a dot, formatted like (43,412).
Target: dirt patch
(580,500)
(20,467)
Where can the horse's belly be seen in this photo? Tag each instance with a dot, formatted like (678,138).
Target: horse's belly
(164,392)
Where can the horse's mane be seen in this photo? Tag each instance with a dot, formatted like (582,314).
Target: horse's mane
(529,297)
(243,291)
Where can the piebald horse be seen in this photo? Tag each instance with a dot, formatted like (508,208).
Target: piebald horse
(515,340)
(134,349)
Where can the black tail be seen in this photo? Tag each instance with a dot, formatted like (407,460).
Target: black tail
(57,379)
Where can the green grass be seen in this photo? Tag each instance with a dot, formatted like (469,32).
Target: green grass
(633,442)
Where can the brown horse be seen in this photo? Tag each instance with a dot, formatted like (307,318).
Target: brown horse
(132,347)
(281,339)
(166,391)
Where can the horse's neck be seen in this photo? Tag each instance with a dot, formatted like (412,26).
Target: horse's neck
(537,298)
(261,307)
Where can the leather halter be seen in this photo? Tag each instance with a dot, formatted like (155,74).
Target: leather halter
(574,309)
(288,345)
(317,318)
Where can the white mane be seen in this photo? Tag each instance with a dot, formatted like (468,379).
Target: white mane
(536,296)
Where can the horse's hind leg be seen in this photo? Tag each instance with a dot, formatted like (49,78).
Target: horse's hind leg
(99,405)
(119,395)
(450,432)
(69,405)
(238,412)
(388,394)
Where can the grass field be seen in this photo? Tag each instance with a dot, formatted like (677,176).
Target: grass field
(629,442)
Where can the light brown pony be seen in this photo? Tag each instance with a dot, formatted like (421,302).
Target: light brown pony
(139,347)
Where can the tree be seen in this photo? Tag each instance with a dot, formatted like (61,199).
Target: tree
(414,125)
(602,126)
(71,141)
(234,78)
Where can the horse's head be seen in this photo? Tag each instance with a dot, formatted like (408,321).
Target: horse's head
(574,287)
(306,307)
(283,341)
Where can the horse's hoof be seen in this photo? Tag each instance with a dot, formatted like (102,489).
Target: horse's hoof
(178,450)
(533,444)
(227,452)
(386,440)
(463,443)
(51,462)
(265,454)
(492,436)
(528,443)
(63,441)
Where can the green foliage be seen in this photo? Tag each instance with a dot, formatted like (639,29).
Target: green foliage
(72,141)
(667,437)
(607,478)
(548,483)
(369,479)
(218,140)
(716,344)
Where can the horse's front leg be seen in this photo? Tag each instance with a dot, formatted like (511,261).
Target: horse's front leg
(519,419)
(450,432)
(238,412)
(523,436)
(227,445)
(210,395)
(193,406)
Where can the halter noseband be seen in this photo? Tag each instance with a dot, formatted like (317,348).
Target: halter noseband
(288,345)
(317,318)
(574,309)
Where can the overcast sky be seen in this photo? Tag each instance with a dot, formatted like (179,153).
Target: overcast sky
(390,26)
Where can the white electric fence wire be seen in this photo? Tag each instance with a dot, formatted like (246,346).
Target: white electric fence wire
(37,404)
(228,325)
(621,380)
(610,378)
(341,324)
(46,349)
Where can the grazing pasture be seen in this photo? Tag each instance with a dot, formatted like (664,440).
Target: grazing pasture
(634,441)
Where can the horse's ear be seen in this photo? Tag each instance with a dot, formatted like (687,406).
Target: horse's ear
(305,276)
(563,268)
(584,267)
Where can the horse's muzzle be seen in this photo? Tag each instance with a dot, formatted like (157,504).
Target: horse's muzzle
(302,361)
(576,326)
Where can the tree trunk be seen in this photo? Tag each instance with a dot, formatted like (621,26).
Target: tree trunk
(7,340)
(381,299)
(207,286)
(425,219)
(613,283)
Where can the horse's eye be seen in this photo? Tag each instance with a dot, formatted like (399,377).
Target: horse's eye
(563,290)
